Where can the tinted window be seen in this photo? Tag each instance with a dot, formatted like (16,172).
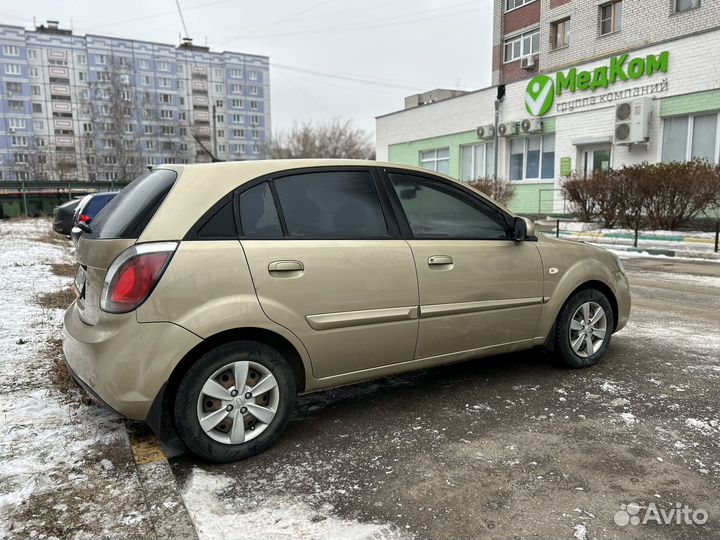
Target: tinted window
(331,205)
(258,215)
(132,209)
(221,225)
(95,204)
(435,210)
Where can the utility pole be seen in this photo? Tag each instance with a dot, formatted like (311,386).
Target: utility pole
(498,101)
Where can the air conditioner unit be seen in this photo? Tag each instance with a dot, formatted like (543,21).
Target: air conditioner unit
(528,62)
(485,132)
(531,125)
(507,130)
(632,121)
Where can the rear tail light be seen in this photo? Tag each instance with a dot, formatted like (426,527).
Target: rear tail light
(84,218)
(133,276)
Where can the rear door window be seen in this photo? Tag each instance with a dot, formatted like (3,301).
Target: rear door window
(332,204)
(127,215)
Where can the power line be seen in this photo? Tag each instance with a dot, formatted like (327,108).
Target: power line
(373,81)
(287,17)
(376,23)
(151,16)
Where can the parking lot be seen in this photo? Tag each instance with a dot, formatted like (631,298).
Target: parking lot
(500,447)
(509,446)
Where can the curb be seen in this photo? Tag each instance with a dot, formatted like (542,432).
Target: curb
(167,511)
(679,253)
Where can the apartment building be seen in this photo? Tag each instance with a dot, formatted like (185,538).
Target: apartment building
(102,108)
(580,85)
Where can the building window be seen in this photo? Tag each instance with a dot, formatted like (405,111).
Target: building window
(514,4)
(17,123)
(237,103)
(15,87)
(560,31)
(254,90)
(253,75)
(686,5)
(37,108)
(523,45)
(236,73)
(11,50)
(477,161)
(101,59)
(33,72)
(436,160)
(32,54)
(254,105)
(38,125)
(144,63)
(15,106)
(688,137)
(13,69)
(532,158)
(148,130)
(236,88)
(163,66)
(611,17)
(81,59)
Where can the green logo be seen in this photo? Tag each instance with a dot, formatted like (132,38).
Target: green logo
(539,95)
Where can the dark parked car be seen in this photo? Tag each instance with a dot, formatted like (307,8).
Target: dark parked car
(87,209)
(63,217)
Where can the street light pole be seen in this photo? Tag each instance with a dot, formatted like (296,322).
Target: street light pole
(498,102)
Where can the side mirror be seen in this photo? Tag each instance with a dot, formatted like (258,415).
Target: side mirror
(524,228)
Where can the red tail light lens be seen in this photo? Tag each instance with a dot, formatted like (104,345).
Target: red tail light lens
(84,218)
(133,276)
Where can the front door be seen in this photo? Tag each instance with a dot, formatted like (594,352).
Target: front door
(595,158)
(479,289)
(327,264)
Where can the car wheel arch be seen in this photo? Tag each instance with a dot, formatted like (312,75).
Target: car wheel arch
(159,418)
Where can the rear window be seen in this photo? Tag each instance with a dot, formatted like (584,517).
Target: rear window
(127,215)
(97,203)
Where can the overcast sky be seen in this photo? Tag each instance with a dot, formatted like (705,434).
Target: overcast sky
(378,51)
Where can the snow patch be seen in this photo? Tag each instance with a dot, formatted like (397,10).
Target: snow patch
(218,513)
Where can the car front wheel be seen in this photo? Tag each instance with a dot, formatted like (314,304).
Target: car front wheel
(234,401)
(584,329)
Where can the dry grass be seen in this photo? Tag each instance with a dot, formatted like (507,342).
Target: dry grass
(53,238)
(64,270)
(57,299)
(59,375)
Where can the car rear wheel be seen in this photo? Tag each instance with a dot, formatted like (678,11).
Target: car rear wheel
(234,401)
(583,329)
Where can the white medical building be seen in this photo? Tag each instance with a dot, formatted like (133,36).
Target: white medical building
(587,85)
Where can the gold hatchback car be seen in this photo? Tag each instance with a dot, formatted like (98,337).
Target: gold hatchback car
(209,296)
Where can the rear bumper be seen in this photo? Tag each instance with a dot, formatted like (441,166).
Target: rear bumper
(122,363)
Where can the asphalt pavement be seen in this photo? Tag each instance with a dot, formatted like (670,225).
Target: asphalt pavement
(513,447)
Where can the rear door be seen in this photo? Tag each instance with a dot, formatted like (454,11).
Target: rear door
(478,287)
(327,264)
(116,227)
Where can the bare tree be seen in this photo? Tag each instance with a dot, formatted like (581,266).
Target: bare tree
(335,139)
(116,118)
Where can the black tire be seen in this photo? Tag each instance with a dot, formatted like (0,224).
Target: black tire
(185,406)
(563,353)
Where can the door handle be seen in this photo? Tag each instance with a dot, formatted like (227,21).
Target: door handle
(286,266)
(440,260)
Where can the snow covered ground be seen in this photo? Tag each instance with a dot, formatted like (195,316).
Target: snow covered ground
(65,467)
